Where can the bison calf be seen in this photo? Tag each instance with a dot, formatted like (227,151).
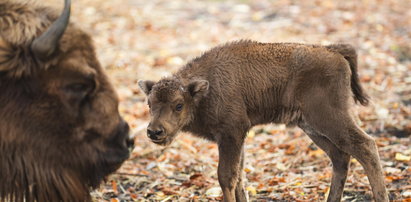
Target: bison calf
(60,130)
(222,94)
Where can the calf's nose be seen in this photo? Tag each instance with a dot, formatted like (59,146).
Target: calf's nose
(154,134)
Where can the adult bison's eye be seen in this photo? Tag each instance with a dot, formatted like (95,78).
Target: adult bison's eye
(79,90)
(77,87)
(76,94)
(179,107)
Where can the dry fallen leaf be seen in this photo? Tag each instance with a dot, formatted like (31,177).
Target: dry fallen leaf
(251,190)
(114,186)
(402,157)
(214,192)
(251,134)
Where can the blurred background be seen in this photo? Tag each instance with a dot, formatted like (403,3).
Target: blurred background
(140,39)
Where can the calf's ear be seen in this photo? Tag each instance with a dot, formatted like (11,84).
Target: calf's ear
(198,89)
(146,86)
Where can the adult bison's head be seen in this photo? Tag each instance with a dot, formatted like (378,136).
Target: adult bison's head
(60,129)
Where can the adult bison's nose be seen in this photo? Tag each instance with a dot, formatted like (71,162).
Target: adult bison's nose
(125,129)
(155,134)
(130,142)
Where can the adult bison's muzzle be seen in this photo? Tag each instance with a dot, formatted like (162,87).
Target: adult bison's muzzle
(123,142)
(130,137)
(118,148)
(122,137)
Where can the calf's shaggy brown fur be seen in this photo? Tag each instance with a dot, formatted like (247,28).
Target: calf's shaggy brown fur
(222,94)
(60,129)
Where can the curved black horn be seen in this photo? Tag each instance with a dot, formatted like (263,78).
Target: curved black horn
(45,45)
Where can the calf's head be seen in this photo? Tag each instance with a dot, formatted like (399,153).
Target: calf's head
(172,106)
(60,129)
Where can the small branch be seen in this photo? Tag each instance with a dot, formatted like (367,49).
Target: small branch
(130,174)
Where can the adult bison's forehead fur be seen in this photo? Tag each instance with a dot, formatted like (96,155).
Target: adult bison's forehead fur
(60,130)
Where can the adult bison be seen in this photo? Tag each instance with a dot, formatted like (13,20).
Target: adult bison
(60,130)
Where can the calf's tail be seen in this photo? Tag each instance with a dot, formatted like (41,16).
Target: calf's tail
(350,55)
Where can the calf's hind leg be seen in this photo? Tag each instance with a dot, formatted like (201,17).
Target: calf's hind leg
(338,126)
(340,161)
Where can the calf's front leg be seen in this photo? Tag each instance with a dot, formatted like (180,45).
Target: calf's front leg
(230,151)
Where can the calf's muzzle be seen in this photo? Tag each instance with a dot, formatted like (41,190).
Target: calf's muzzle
(155,133)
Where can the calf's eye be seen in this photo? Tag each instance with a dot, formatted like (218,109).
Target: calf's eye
(179,107)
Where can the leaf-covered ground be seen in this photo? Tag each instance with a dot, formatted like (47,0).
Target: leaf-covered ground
(140,39)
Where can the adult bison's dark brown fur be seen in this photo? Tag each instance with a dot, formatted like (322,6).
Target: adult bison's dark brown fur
(60,130)
(222,94)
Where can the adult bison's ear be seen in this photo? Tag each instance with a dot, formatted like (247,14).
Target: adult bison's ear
(198,89)
(5,56)
(46,44)
(146,86)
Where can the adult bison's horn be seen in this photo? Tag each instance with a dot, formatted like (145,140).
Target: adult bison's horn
(46,44)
